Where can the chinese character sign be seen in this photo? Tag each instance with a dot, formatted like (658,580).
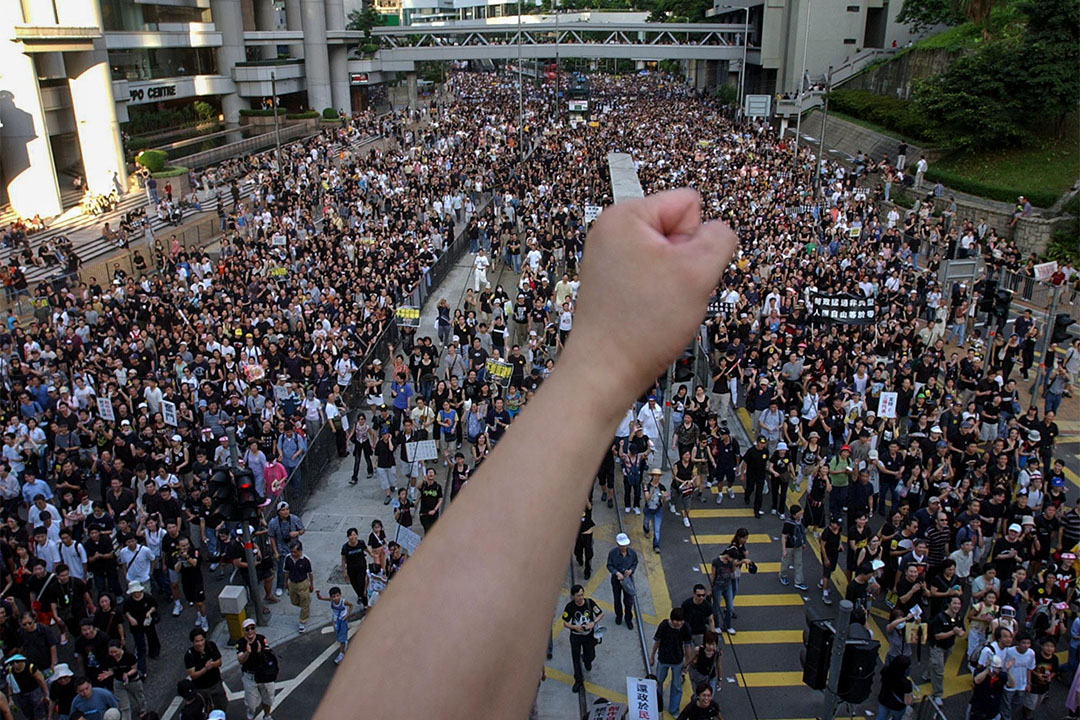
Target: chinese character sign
(641,699)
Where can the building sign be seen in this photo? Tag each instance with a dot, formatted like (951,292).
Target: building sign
(579,106)
(358,78)
(151,92)
(757,105)
(844,308)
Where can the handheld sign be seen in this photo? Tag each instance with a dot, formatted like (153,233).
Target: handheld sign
(499,371)
(422,450)
(168,413)
(592,212)
(887,405)
(408,317)
(105,409)
(407,539)
(641,697)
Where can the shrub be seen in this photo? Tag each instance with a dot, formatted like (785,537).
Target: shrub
(329,114)
(153,160)
(1038,198)
(267,112)
(204,110)
(307,115)
(369,48)
(136,144)
(171,171)
(903,116)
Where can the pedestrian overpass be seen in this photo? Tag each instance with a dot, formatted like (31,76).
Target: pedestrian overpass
(402,47)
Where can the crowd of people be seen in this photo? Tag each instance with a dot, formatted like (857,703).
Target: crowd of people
(120,396)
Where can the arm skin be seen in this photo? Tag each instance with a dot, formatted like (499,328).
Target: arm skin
(507,550)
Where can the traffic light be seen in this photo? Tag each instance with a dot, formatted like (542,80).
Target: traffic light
(986,296)
(1060,333)
(247,499)
(816,654)
(1002,303)
(857,672)
(223,493)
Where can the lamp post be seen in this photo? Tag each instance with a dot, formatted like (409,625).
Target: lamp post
(802,74)
(821,141)
(277,127)
(746,41)
(521,91)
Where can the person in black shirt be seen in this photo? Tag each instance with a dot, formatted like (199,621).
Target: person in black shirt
(92,648)
(126,684)
(831,539)
(354,564)
(945,627)
(698,613)
(580,617)
(187,562)
(140,610)
(703,707)
(250,653)
(672,643)
(755,464)
(431,500)
(583,546)
(1008,553)
(203,663)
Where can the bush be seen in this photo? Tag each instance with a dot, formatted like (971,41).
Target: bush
(268,112)
(136,144)
(1038,198)
(204,110)
(171,171)
(329,114)
(903,116)
(369,48)
(153,160)
(308,115)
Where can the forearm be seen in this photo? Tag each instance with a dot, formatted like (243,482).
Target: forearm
(529,513)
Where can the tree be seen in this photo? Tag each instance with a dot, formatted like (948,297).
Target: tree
(1051,80)
(978,13)
(364,20)
(925,14)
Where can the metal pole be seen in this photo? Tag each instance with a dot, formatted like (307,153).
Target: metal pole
(277,125)
(521,92)
(558,82)
(802,74)
(742,70)
(1048,330)
(821,141)
(666,462)
(262,617)
(843,620)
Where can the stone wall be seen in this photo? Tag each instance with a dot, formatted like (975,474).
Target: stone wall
(896,77)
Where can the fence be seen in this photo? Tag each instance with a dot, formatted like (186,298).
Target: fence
(1037,296)
(246,147)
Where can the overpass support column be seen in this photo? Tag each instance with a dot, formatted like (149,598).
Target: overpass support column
(316,58)
(94,108)
(339,57)
(294,21)
(410,83)
(230,21)
(266,21)
(29,178)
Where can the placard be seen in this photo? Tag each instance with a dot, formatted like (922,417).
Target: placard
(168,413)
(887,405)
(422,450)
(641,698)
(607,711)
(105,409)
(716,307)
(407,539)
(1043,271)
(844,308)
(592,212)
(278,241)
(408,317)
(499,371)
(39,303)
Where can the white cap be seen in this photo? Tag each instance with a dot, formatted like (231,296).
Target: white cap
(1015,528)
(781,445)
(249,622)
(936,429)
(873,455)
(62,671)
(216,715)
(877,565)
(135,587)
(622,540)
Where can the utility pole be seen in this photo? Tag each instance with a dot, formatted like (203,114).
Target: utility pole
(558,82)
(821,141)
(802,74)
(843,622)
(262,617)
(277,125)
(521,92)
(1048,330)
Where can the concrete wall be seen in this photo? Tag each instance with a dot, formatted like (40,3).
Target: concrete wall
(897,77)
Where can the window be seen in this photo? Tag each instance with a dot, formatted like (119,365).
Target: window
(853,8)
(850,41)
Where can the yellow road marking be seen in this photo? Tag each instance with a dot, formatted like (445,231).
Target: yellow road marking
(725,539)
(769,679)
(763,567)
(765,637)
(767,600)
(593,689)
(723,513)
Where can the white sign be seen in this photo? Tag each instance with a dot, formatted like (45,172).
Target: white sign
(757,105)
(168,413)
(592,212)
(105,409)
(886,407)
(641,698)
(422,450)
(1043,271)
(407,539)
(607,711)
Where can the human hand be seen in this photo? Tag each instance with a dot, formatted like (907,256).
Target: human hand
(654,258)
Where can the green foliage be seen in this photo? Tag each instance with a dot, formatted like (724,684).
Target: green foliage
(204,110)
(727,94)
(1050,40)
(143,120)
(153,160)
(137,144)
(1072,207)
(369,48)
(170,171)
(261,112)
(330,114)
(1064,246)
(965,184)
(306,115)
(364,20)
(433,71)
(671,67)
(902,198)
(902,116)
(925,14)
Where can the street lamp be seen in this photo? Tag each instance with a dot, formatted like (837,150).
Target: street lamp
(277,129)
(802,74)
(745,42)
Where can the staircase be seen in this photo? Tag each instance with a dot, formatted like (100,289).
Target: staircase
(789,107)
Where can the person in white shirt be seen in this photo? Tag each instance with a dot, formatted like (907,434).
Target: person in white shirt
(72,554)
(920,169)
(651,419)
(1019,661)
(138,559)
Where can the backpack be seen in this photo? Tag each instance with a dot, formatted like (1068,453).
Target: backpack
(473,426)
(267,672)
